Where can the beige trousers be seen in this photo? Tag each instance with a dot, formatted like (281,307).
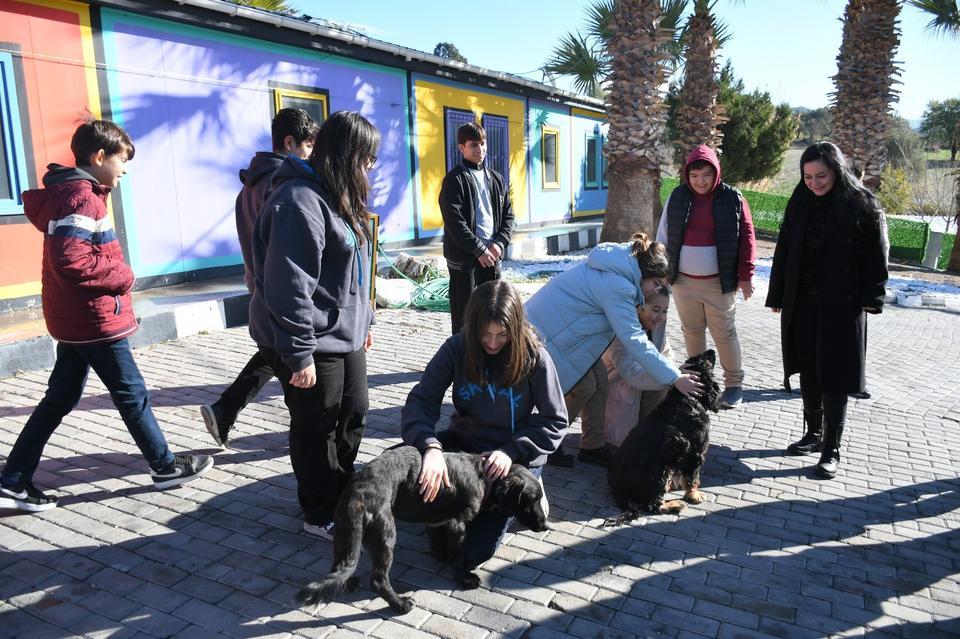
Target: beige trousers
(700,305)
(588,399)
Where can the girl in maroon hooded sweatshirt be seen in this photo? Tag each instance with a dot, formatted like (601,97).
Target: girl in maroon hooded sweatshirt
(88,310)
(711,247)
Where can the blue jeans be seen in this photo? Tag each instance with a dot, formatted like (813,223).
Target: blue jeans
(113,363)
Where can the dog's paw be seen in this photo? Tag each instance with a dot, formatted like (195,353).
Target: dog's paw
(403,604)
(353,584)
(672,507)
(693,497)
(469,580)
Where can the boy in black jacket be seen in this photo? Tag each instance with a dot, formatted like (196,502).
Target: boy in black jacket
(477,221)
(293,132)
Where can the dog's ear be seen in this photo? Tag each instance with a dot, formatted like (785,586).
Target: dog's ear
(505,492)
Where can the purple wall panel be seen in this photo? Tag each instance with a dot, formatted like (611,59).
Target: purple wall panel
(198,107)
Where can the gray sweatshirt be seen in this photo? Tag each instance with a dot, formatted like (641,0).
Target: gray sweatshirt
(309,295)
(528,432)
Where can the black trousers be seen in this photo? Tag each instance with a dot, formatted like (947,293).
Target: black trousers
(803,332)
(326,426)
(244,389)
(462,285)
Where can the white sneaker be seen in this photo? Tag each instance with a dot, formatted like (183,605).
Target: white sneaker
(324,531)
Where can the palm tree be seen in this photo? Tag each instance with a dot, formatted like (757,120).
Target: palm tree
(699,115)
(637,116)
(585,56)
(864,93)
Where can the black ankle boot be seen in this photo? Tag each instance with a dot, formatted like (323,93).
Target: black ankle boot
(812,438)
(830,456)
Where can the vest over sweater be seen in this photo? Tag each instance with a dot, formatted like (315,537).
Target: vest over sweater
(685,226)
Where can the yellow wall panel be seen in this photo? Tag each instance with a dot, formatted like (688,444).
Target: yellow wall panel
(431,98)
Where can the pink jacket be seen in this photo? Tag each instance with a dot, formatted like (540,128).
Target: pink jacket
(630,387)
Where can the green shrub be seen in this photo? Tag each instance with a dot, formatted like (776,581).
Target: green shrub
(908,239)
(895,190)
(945,248)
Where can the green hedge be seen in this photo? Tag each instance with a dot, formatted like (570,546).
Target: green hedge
(908,239)
(945,248)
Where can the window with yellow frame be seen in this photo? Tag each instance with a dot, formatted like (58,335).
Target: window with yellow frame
(550,156)
(314,101)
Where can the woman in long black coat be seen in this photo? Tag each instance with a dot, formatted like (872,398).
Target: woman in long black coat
(829,269)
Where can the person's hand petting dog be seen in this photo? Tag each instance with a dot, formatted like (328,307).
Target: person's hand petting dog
(433,474)
(689,384)
(496,465)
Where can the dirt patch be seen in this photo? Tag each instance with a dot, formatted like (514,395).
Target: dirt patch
(765,249)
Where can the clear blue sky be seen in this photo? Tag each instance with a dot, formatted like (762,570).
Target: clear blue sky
(786,47)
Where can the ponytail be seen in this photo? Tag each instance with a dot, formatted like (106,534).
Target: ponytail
(652,256)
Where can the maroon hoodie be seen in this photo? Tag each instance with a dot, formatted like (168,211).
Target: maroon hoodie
(86,282)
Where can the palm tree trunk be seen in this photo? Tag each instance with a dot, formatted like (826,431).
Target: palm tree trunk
(635,193)
(954,264)
(637,119)
(864,94)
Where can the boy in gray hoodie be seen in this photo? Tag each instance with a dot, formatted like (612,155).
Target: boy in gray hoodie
(294,133)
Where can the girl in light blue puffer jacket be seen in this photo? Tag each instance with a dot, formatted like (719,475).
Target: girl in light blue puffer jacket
(580,311)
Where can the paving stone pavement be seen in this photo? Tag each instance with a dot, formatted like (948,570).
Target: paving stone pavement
(772,552)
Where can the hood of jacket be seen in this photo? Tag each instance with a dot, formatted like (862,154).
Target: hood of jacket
(262,165)
(616,258)
(702,152)
(42,205)
(293,168)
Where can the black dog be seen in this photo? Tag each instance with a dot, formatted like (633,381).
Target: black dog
(387,487)
(669,447)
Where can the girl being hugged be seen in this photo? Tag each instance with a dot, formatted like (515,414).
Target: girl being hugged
(310,314)
(507,403)
(633,392)
(829,269)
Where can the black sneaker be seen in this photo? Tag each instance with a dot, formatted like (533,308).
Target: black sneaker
(183,469)
(597,456)
(560,458)
(25,496)
(216,424)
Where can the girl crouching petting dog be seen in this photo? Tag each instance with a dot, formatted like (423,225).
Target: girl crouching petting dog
(507,402)
(633,392)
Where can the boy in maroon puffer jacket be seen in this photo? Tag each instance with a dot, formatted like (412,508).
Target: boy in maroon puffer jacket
(88,310)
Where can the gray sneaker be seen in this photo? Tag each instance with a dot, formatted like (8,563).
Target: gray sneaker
(731,397)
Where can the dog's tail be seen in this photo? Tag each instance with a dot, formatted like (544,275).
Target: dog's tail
(347,542)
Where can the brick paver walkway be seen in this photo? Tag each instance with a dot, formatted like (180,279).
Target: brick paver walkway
(772,552)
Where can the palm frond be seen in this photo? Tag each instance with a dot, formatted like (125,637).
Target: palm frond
(277,6)
(599,19)
(945,16)
(587,65)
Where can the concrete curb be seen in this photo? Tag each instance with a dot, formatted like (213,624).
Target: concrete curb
(169,322)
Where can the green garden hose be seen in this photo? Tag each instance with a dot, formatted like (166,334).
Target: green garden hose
(432,295)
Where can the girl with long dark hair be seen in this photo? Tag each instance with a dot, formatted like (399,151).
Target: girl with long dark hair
(506,399)
(829,270)
(310,314)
